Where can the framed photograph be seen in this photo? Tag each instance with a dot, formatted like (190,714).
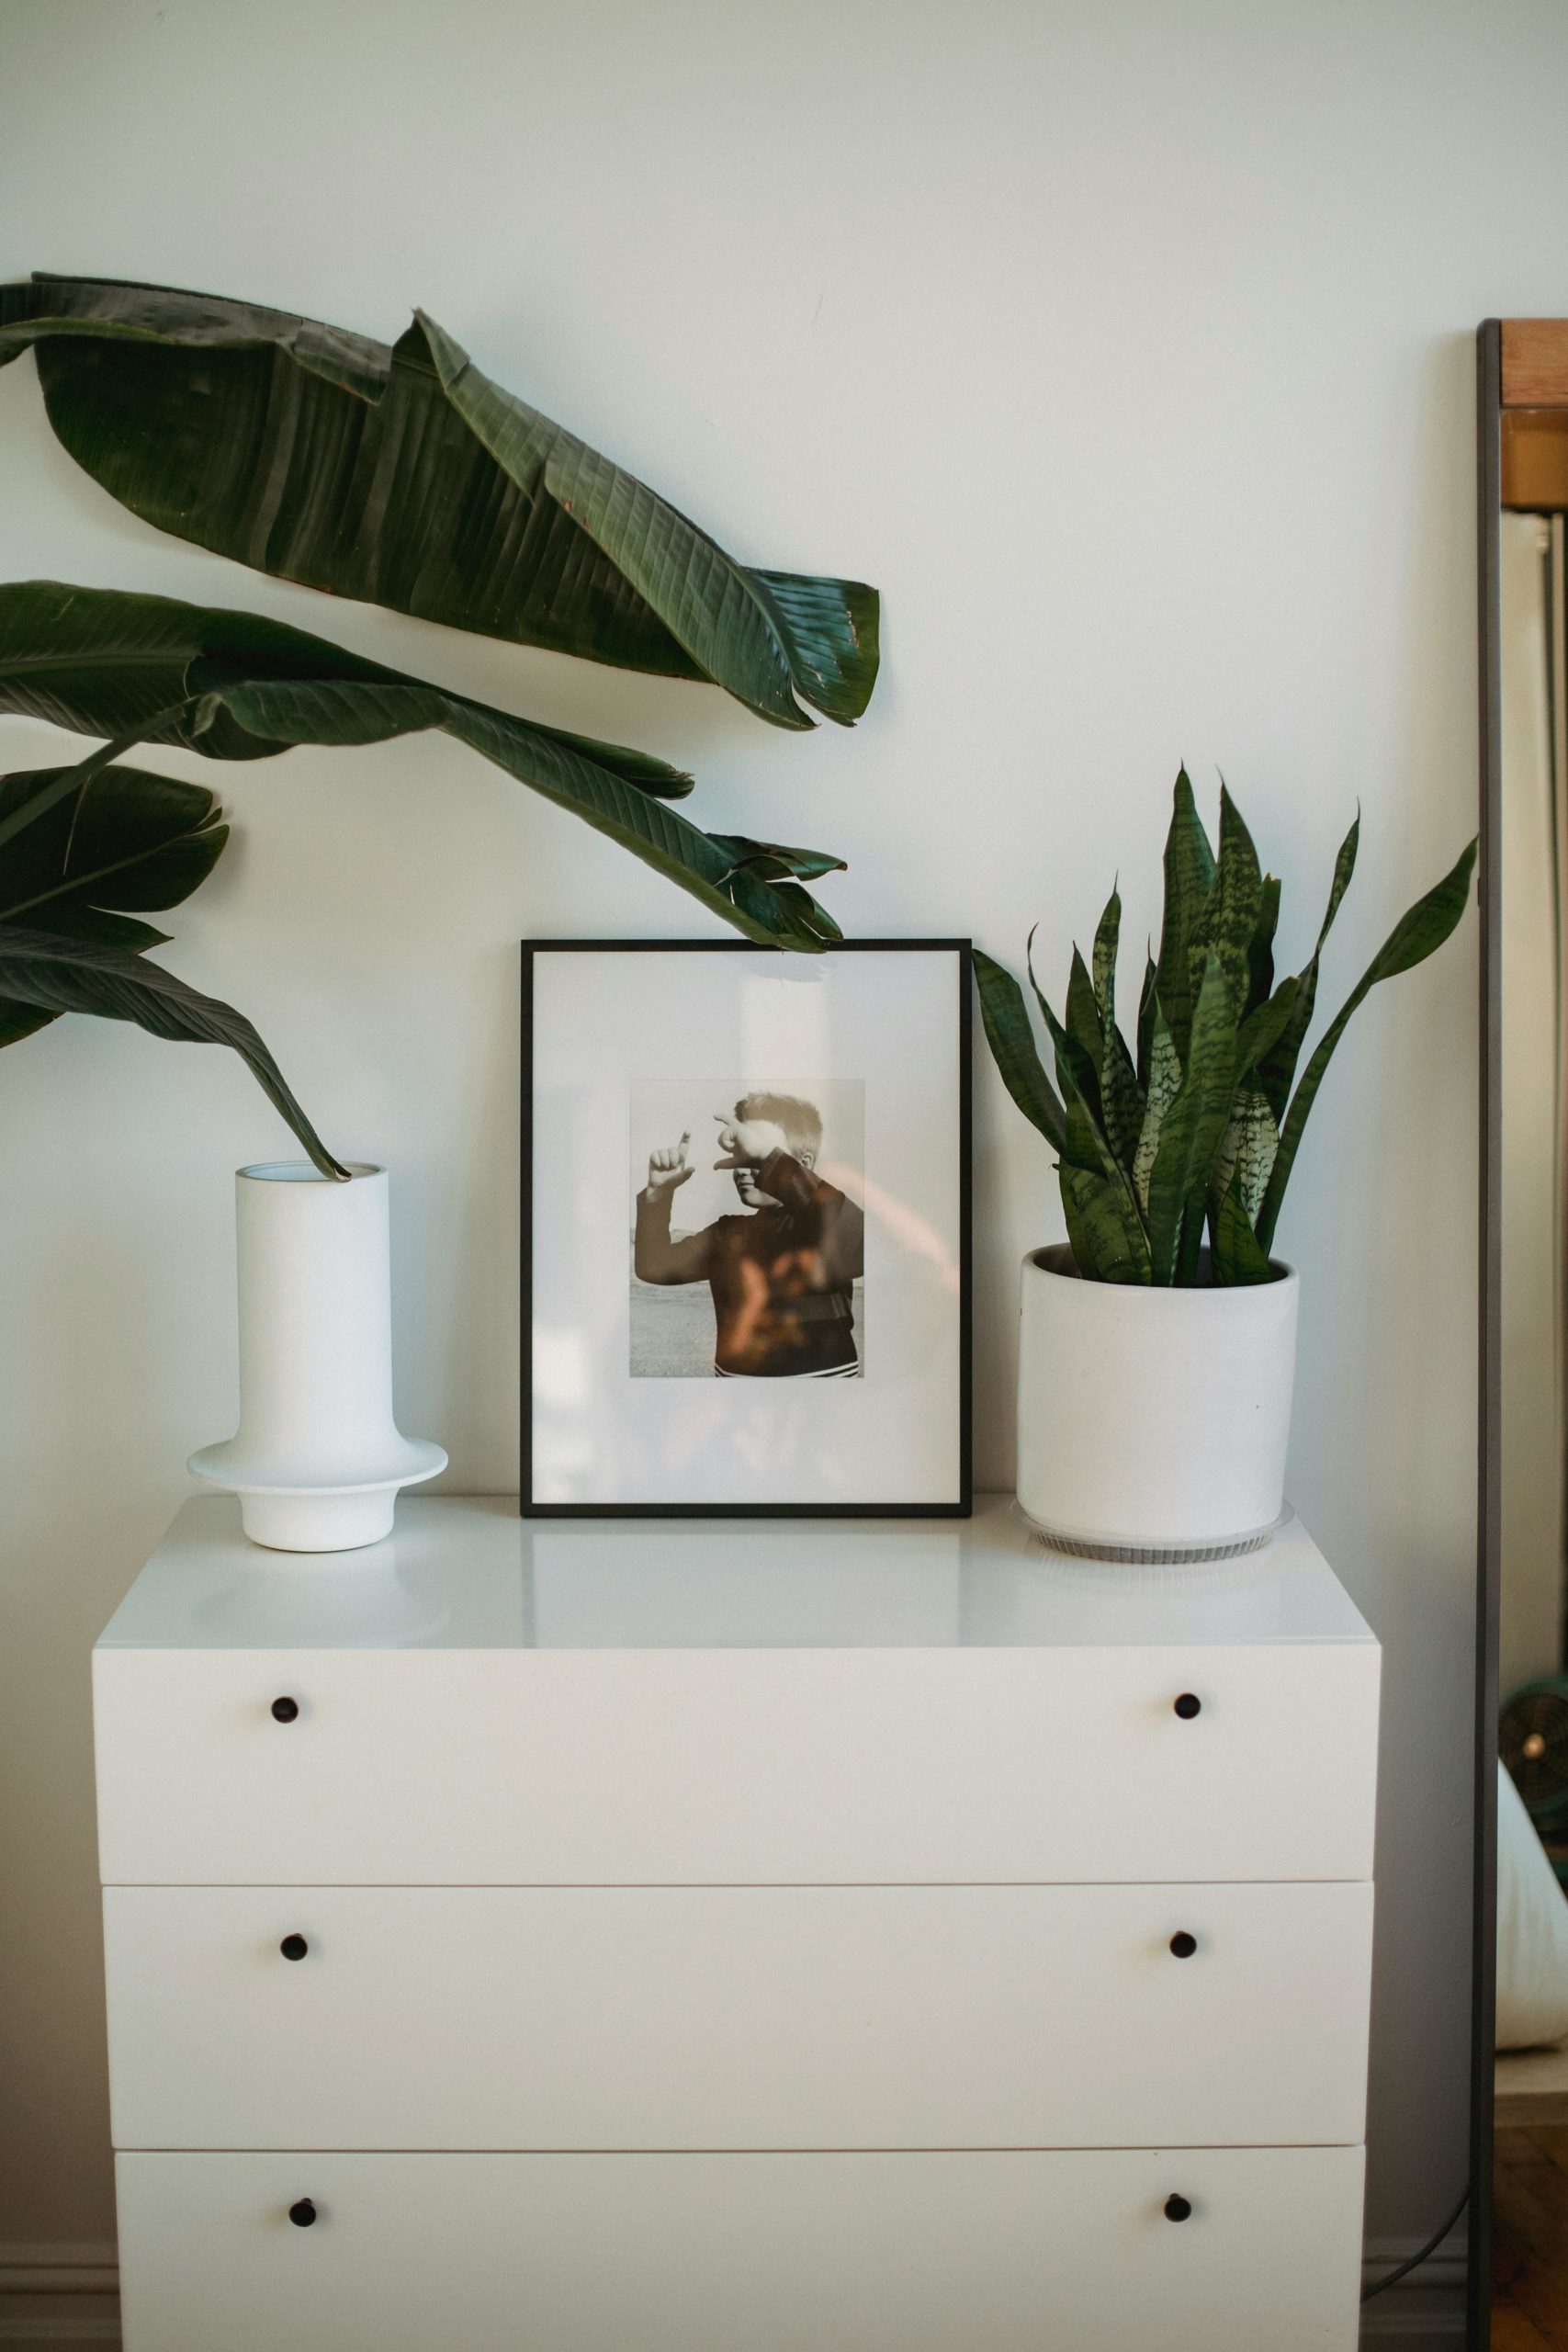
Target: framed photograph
(746,1229)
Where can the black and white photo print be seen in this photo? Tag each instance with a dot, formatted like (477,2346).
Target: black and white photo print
(748,1252)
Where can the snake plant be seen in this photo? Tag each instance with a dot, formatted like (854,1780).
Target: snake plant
(1194,1129)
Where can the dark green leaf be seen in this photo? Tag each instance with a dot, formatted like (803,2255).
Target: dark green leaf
(404,476)
(77,842)
(1265,1024)
(1417,934)
(241,687)
(1085,1014)
(1085,1239)
(1165,1084)
(1188,873)
(1108,1244)
(1075,1072)
(1225,929)
(61,974)
(1012,1040)
(1193,1128)
(1105,1202)
(123,839)
(1277,1066)
(1105,944)
(1261,951)
(1238,1256)
(1088,1145)
(1247,1151)
(1145,1022)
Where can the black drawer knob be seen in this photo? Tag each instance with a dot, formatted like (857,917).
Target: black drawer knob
(295,1947)
(285,1710)
(304,2214)
(1187,1706)
(1181,1944)
(1176,2209)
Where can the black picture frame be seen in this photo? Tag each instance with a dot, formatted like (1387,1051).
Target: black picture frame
(962,1506)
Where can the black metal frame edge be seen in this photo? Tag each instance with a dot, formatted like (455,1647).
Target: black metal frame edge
(1483,1958)
(964,1507)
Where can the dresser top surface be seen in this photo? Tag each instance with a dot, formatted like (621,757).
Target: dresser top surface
(465,1572)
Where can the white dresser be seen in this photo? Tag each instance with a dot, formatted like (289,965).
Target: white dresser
(734,1937)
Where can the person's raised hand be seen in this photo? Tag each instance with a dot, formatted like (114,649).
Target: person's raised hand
(748,1142)
(670,1167)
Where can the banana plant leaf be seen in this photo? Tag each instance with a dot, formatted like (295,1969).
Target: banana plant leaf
(403,475)
(57,974)
(117,838)
(234,685)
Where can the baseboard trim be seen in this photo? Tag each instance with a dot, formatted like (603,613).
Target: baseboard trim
(55,2297)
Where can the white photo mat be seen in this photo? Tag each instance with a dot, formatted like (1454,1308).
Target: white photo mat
(863,1052)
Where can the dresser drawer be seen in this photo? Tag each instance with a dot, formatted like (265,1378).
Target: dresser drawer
(689,2017)
(601,1767)
(743,2253)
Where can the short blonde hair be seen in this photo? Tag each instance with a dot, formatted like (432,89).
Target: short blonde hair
(801,1122)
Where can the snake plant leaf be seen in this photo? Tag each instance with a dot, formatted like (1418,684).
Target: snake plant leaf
(1238,1256)
(405,476)
(121,838)
(62,975)
(1417,934)
(1084,1026)
(1005,1017)
(1116,1233)
(1165,1084)
(1146,1022)
(236,686)
(1266,1023)
(1225,929)
(1077,1072)
(1108,1244)
(1106,938)
(1244,1161)
(1120,1103)
(1260,949)
(1277,1066)
(1121,1094)
(1189,877)
(1193,1128)
(1081,1210)
(1090,1150)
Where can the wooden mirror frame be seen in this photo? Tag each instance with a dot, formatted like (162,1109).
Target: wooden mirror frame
(1521,411)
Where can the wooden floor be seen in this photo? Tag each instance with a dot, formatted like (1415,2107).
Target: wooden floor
(1529,2244)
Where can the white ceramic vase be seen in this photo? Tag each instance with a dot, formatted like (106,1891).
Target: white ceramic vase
(1153,1423)
(317,1459)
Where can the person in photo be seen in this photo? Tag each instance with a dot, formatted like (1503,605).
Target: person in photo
(782,1275)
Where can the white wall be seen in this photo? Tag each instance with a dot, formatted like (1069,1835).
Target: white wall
(1128,349)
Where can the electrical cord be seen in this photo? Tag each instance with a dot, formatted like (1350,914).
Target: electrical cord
(1433,2242)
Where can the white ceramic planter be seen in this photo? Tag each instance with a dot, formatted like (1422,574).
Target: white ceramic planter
(317,1459)
(1153,1424)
